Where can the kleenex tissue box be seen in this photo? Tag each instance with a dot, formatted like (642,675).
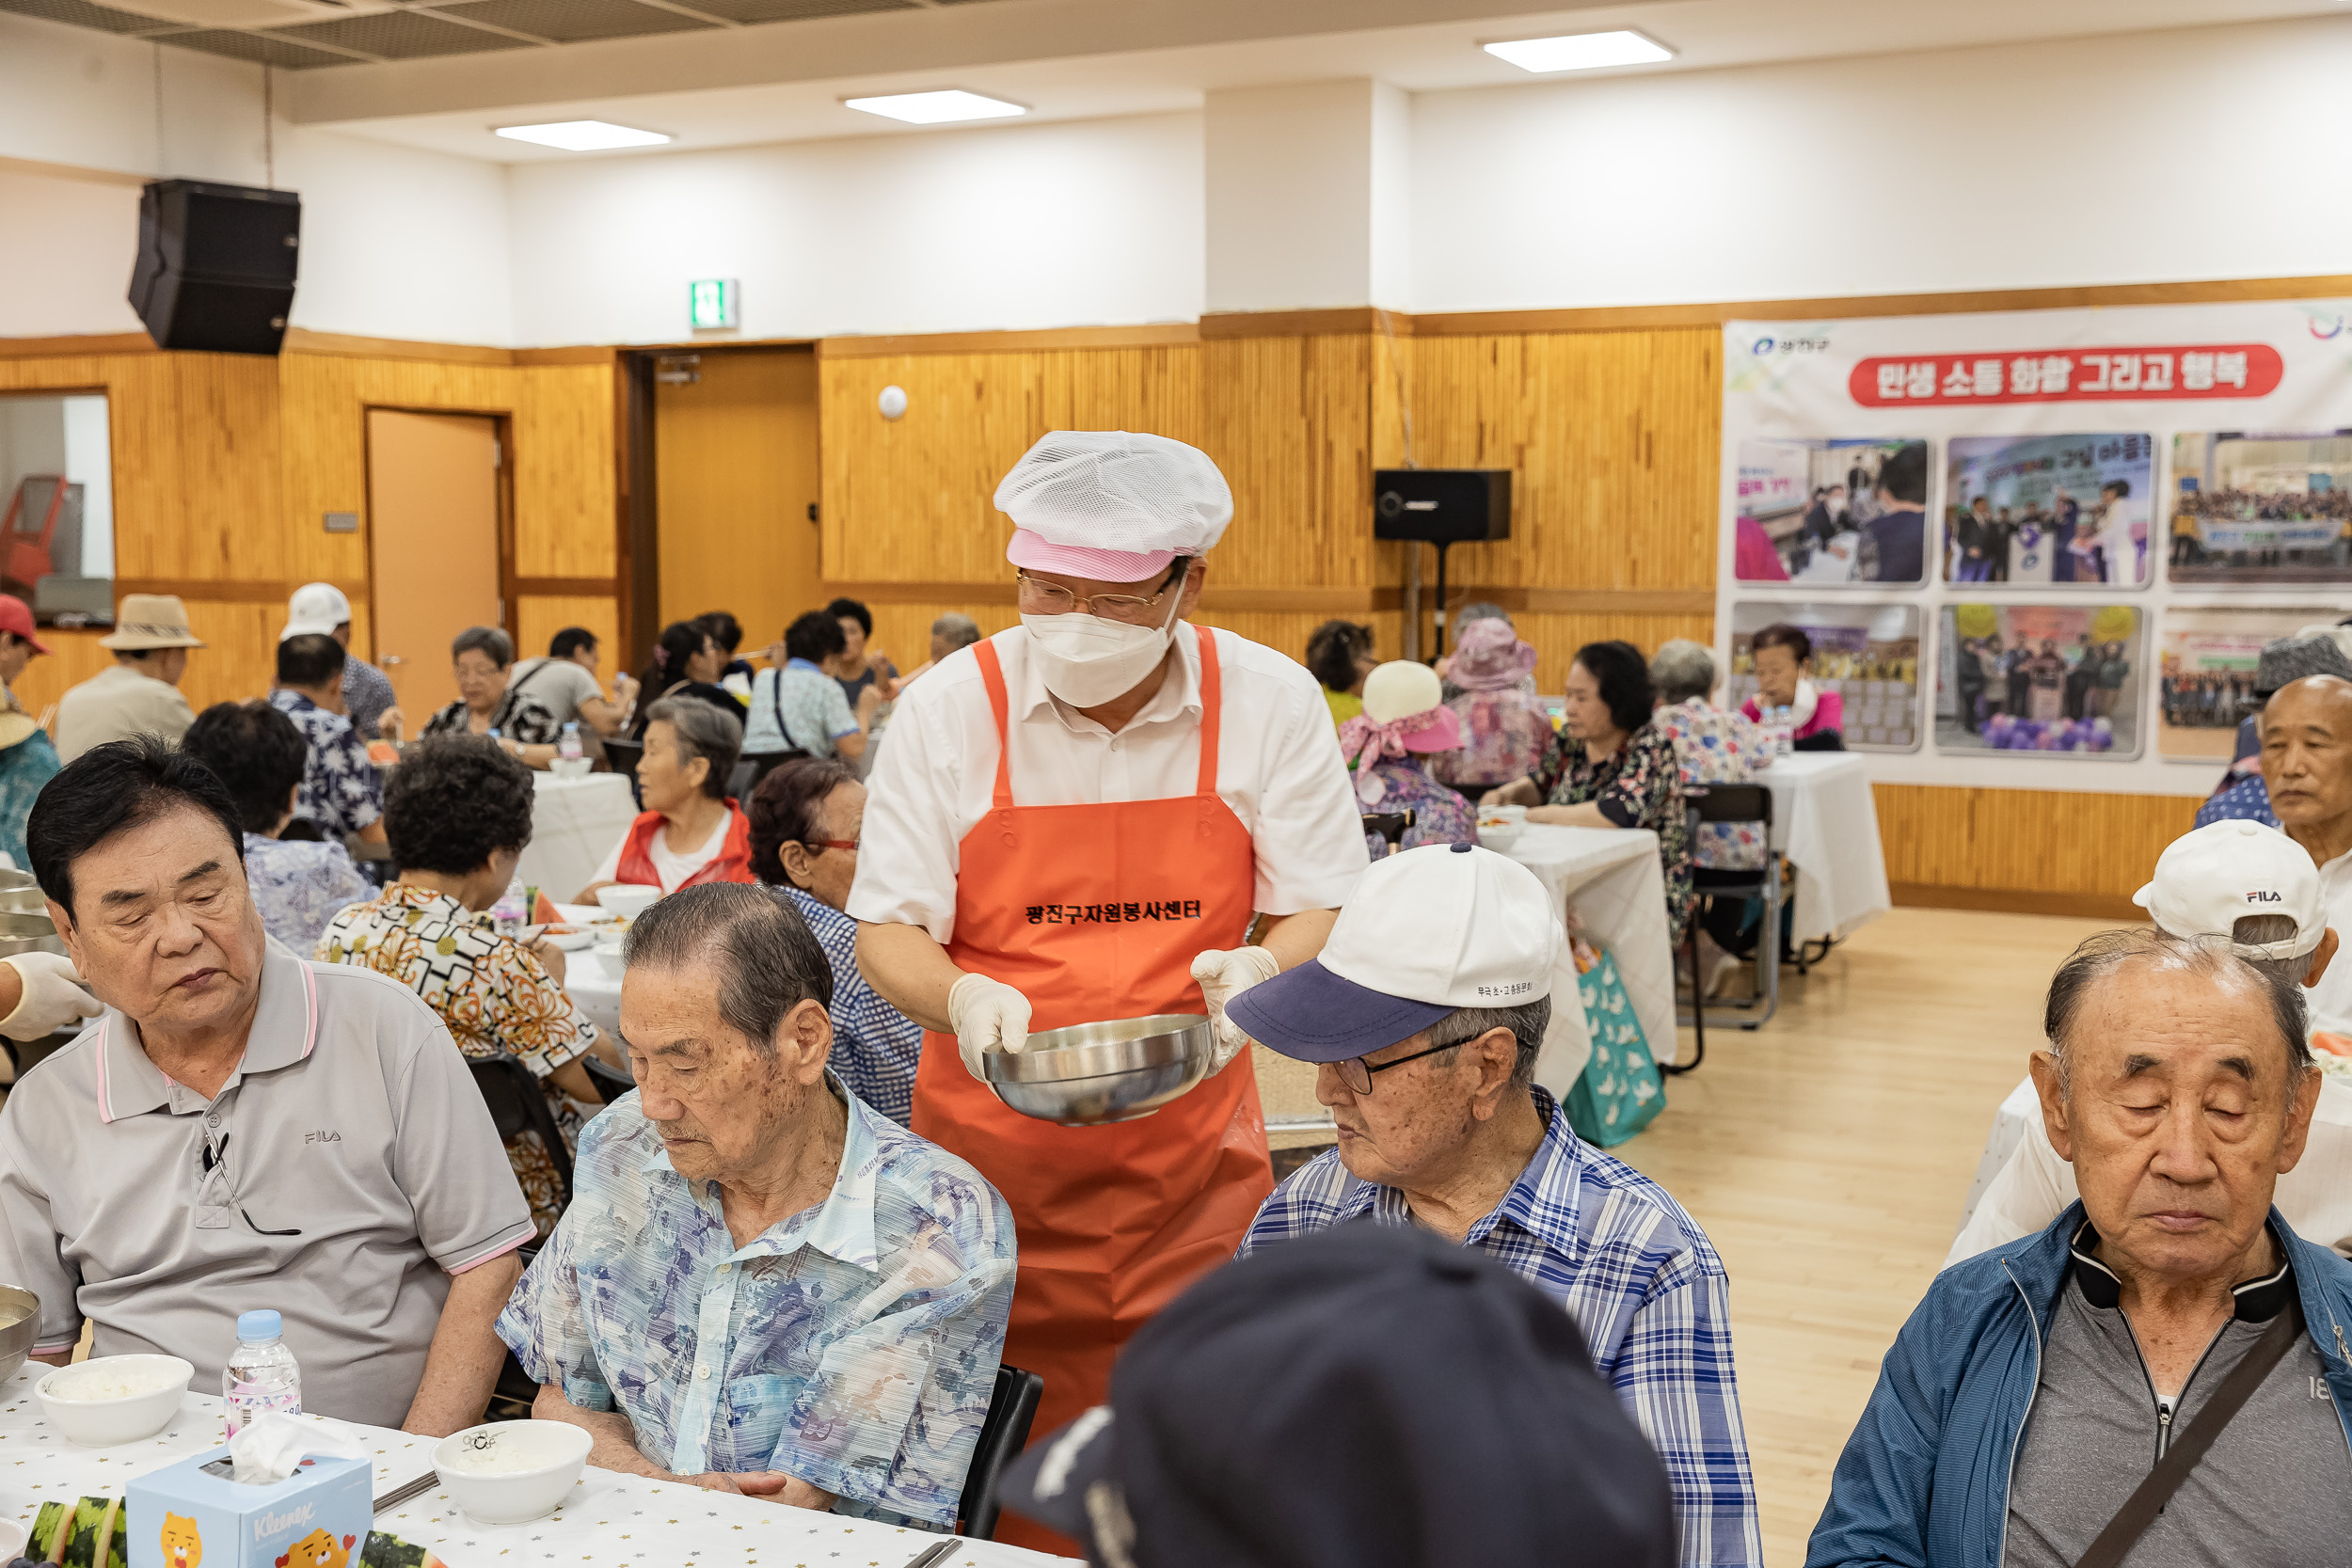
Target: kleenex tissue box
(191,1512)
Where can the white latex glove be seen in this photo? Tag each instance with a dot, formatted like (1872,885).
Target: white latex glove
(986,1015)
(1225,973)
(51,1000)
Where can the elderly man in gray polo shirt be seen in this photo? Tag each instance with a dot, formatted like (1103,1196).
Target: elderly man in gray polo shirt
(243,1128)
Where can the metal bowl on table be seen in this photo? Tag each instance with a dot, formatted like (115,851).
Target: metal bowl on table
(21,894)
(1091,1075)
(28,933)
(20,1325)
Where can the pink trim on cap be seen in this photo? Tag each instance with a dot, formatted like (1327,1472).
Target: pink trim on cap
(1078,560)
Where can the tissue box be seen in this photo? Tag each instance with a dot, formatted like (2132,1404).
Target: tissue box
(192,1513)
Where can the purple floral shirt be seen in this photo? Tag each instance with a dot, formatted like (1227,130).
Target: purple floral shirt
(1504,735)
(1439,814)
(1714,745)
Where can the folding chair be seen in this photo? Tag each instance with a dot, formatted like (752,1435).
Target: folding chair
(1005,1432)
(518,1105)
(1748,803)
(612,1082)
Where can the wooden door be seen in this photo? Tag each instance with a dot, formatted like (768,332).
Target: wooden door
(433,546)
(735,477)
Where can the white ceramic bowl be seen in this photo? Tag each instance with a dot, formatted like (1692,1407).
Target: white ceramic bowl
(552,1453)
(1499,836)
(569,942)
(102,1424)
(572,768)
(11,1539)
(627,899)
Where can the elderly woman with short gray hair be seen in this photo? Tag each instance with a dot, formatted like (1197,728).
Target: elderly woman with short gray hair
(483,656)
(691,832)
(1713,746)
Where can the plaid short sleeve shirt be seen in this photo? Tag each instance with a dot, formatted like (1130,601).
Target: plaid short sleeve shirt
(876,1048)
(1642,1283)
(854,1345)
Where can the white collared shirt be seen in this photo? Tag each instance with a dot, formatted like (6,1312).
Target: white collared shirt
(1278,768)
(2330,1001)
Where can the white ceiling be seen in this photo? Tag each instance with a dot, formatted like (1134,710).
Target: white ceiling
(1067,60)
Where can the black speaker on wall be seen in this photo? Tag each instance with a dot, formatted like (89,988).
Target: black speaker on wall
(1441,506)
(215,268)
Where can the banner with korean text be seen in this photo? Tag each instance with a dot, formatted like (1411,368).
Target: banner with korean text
(2041,493)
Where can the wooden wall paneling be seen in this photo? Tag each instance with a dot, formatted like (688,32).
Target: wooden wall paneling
(1286,631)
(225,431)
(1290,422)
(909,499)
(324,437)
(73,657)
(566,471)
(904,630)
(539,617)
(2035,844)
(1611,439)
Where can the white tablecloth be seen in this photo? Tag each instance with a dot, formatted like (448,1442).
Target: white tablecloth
(1827,824)
(1613,877)
(574,824)
(611,1521)
(592,981)
(2022,1185)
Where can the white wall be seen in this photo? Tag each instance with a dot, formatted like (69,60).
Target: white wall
(1007,227)
(2199,153)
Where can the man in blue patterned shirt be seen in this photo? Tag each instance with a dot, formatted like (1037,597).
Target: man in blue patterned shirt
(321,607)
(339,789)
(761,1285)
(1425,1014)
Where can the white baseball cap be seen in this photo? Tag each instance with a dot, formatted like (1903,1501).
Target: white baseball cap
(315,610)
(1434,929)
(2209,880)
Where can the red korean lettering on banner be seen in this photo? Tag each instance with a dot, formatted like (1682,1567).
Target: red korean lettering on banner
(2068,376)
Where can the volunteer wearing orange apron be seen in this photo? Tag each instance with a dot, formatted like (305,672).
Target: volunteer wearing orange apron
(1074,821)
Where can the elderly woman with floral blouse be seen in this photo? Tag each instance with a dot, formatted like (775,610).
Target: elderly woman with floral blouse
(1406,723)
(1609,767)
(483,656)
(1504,726)
(457,811)
(1713,745)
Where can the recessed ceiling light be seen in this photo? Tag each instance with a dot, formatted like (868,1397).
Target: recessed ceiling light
(936,108)
(582,136)
(1582,50)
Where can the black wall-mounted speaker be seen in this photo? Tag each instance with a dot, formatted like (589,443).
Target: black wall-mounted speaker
(217,264)
(1441,506)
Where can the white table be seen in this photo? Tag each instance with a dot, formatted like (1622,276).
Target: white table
(2022,1185)
(1613,877)
(574,825)
(609,1521)
(1826,822)
(592,981)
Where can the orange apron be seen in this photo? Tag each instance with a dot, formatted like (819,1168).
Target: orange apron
(1096,913)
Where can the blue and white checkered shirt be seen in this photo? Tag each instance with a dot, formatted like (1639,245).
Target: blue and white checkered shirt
(875,1045)
(1641,1281)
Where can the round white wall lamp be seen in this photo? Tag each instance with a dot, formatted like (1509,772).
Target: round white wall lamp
(893,401)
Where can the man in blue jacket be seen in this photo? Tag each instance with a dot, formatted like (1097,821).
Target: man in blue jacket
(2038,1384)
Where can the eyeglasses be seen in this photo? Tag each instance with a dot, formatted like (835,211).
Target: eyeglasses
(819,843)
(1356,1072)
(1040,598)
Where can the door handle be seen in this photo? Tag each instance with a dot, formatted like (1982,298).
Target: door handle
(393,658)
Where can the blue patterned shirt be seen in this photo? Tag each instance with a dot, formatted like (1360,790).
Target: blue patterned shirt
(339,789)
(854,1345)
(299,887)
(367,693)
(2248,800)
(876,1047)
(796,707)
(1641,1281)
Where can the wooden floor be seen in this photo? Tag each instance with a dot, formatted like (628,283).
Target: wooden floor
(1827,1156)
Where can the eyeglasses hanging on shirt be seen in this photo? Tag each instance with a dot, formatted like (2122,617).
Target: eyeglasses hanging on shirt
(214,1196)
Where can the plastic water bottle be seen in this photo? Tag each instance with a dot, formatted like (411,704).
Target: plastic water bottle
(262,1375)
(512,912)
(1784,726)
(567,745)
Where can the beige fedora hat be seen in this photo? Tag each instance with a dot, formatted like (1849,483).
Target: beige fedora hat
(152,621)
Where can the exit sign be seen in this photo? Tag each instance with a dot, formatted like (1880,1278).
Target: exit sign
(711,302)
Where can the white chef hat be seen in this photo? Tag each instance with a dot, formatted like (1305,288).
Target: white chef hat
(1112,505)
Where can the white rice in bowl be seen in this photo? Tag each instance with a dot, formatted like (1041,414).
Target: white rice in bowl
(110,1378)
(507,1452)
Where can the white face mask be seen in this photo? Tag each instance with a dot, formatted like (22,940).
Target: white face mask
(1086,661)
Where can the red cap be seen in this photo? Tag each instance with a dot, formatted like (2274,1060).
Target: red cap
(17,616)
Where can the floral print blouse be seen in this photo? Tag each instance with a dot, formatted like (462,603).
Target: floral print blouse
(519,717)
(1439,814)
(1640,786)
(1504,735)
(1715,745)
(490,989)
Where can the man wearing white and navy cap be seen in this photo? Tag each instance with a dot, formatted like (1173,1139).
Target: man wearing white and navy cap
(2259,888)
(1424,1015)
(319,609)
(1075,822)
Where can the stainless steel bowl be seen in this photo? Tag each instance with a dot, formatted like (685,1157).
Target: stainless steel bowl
(28,933)
(1092,1073)
(21,894)
(17,1338)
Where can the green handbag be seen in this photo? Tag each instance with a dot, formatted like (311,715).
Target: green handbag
(1620,1090)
